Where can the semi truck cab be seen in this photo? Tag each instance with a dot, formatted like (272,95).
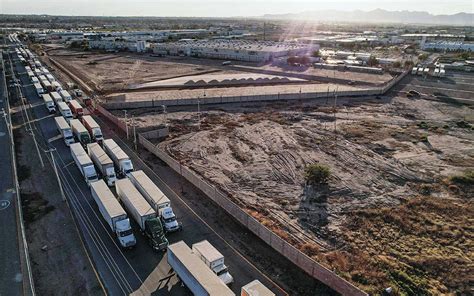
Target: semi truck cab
(125,234)
(168,218)
(111,178)
(155,234)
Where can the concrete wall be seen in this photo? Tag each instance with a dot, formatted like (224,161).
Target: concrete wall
(300,259)
(239,99)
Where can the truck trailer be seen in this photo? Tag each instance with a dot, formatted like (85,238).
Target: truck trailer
(64,129)
(123,164)
(65,95)
(199,279)
(39,89)
(255,288)
(213,259)
(157,200)
(83,163)
(56,97)
(142,213)
(80,132)
(76,108)
(94,129)
(113,213)
(65,111)
(103,163)
(48,102)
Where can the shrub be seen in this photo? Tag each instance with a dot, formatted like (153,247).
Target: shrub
(317,174)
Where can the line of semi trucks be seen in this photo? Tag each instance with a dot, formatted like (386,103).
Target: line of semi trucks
(103,164)
(438,71)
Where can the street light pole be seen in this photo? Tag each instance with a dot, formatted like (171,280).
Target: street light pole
(126,123)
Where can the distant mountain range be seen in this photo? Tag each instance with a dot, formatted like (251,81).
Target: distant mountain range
(379,16)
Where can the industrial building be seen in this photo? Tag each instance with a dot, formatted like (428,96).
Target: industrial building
(240,50)
(114,44)
(448,46)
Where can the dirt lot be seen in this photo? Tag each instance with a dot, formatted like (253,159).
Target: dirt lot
(113,72)
(393,215)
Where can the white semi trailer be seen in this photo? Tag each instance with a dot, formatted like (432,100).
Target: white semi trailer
(65,130)
(113,213)
(142,213)
(199,279)
(83,163)
(213,259)
(103,162)
(157,200)
(123,164)
(48,101)
(255,288)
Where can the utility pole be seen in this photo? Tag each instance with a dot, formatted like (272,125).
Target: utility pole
(335,117)
(199,115)
(126,122)
(134,133)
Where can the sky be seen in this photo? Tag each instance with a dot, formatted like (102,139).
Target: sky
(222,8)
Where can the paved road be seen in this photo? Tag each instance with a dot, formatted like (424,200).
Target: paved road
(123,272)
(10,264)
(456,85)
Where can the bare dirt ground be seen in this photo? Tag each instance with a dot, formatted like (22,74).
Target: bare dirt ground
(393,215)
(53,241)
(113,72)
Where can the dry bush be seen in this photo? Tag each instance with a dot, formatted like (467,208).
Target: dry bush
(309,249)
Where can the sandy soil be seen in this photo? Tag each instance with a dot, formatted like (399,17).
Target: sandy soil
(228,92)
(379,158)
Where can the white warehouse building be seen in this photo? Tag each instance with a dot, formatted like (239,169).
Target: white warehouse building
(240,50)
(448,46)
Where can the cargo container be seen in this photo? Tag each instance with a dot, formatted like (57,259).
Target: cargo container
(47,85)
(103,163)
(39,89)
(48,101)
(199,279)
(83,163)
(93,128)
(65,111)
(80,132)
(157,199)
(56,86)
(76,108)
(56,97)
(123,164)
(50,78)
(65,95)
(65,130)
(142,213)
(213,259)
(255,288)
(113,213)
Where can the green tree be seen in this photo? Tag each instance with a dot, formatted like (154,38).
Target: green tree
(372,61)
(317,174)
(316,54)
(422,56)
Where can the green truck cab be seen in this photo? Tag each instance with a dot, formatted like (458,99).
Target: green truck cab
(155,234)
